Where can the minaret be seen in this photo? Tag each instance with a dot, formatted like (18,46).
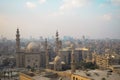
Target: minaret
(18,62)
(60,44)
(17,40)
(46,54)
(73,67)
(57,43)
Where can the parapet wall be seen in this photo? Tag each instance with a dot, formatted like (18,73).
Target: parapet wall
(60,73)
(23,76)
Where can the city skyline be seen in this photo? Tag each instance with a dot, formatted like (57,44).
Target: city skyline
(93,18)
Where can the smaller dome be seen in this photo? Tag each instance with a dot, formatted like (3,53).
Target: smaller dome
(62,62)
(32,47)
(57,59)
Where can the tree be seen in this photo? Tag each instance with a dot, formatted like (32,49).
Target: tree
(88,65)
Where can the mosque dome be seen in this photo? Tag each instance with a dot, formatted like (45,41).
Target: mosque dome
(32,47)
(57,59)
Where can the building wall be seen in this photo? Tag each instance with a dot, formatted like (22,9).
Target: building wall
(66,56)
(67,74)
(84,55)
(78,77)
(63,74)
(102,62)
(32,60)
(60,73)
(20,59)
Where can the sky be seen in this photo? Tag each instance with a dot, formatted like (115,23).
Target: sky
(75,18)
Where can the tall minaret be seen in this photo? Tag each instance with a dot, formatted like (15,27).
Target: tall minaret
(73,67)
(17,40)
(46,54)
(60,44)
(57,42)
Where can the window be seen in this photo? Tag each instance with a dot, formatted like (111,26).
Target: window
(36,66)
(36,60)
(28,60)
(76,78)
(73,78)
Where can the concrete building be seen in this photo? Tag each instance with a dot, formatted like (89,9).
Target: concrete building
(104,61)
(95,75)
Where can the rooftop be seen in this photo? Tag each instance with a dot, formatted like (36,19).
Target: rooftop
(42,75)
(98,74)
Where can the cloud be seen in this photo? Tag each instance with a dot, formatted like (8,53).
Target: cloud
(108,3)
(42,1)
(107,17)
(115,2)
(57,13)
(33,5)
(70,4)
(103,5)
(30,5)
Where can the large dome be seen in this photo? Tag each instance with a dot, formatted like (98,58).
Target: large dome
(33,47)
(57,60)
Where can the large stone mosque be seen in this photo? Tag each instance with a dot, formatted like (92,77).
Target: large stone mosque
(37,55)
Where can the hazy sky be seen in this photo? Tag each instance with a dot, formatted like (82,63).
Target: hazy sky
(92,18)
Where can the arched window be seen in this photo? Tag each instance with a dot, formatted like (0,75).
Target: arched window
(76,78)
(73,78)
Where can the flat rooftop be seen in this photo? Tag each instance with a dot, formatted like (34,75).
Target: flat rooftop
(45,76)
(98,74)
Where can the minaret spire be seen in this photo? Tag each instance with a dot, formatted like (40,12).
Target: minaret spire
(72,59)
(46,53)
(57,42)
(17,40)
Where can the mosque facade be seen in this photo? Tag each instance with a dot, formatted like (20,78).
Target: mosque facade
(32,56)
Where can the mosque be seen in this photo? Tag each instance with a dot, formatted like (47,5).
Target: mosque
(39,55)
